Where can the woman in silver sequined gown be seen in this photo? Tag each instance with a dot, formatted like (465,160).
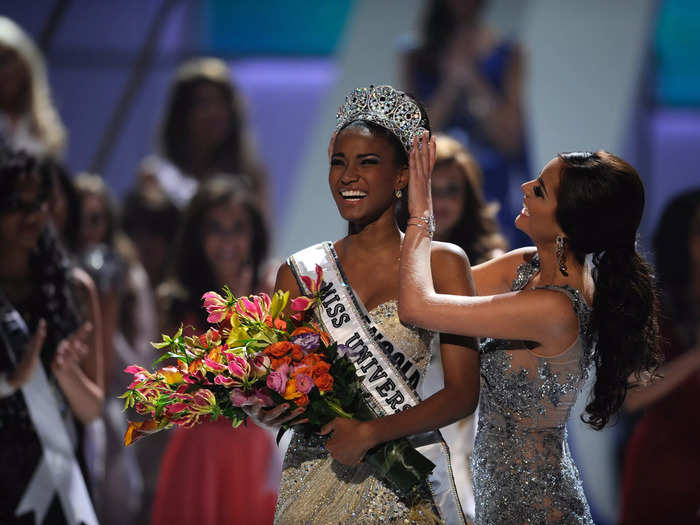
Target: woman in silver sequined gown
(546,320)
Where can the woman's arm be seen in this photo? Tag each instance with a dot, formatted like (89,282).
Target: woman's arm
(542,315)
(78,361)
(460,361)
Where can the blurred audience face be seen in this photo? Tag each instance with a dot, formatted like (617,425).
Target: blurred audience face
(24,218)
(209,117)
(94,221)
(448,186)
(14,81)
(226,239)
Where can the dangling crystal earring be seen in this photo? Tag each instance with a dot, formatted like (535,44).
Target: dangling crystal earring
(561,254)
(398,193)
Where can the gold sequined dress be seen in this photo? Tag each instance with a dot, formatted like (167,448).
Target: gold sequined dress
(523,471)
(317,490)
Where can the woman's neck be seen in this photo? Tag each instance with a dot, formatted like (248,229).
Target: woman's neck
(550,273)
(382,234)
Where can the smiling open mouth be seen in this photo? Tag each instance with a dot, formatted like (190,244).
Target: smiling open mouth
(353,195)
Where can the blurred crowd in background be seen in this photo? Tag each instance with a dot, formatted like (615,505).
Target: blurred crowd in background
(201,212)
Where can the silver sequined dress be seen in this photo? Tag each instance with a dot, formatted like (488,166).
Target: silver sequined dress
(317,490)
(523,471)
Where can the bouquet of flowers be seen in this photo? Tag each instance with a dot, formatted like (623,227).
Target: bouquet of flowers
(253,354)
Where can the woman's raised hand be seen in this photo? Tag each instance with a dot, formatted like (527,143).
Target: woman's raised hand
(72,350)
(420,169)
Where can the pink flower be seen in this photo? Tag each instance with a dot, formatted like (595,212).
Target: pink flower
(256,307)
(277,380)
(224,381)
(238,367)
(304,383)
(260,364)
(216,306)
(302,303)
(203,401)
(213,365)
(314,286)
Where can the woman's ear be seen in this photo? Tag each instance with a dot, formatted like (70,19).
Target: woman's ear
(401,179)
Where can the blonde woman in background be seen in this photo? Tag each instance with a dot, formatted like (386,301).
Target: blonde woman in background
(28,119)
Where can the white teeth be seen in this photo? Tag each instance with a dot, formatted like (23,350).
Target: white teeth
(525,211)
(353,194)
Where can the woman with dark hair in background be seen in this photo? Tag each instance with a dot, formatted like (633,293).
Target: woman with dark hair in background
(50,364)
(150,220)
(548,320)
(461,215)
(28,119)
(661,479)
(225,474)
(471,80)
(129,324)
(64,203)
(204,132)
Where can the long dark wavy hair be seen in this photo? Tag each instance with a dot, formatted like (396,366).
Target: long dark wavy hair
(191,273)
(600,205)
(235,154)
(49,265)
(476,231)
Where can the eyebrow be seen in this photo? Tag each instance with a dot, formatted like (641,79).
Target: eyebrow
(360,156)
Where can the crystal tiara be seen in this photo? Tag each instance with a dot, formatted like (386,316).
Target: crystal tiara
(390,108)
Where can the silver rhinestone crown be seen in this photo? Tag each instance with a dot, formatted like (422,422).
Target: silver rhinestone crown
(390,108)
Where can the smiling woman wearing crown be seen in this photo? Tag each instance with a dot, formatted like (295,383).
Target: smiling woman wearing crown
(368,175)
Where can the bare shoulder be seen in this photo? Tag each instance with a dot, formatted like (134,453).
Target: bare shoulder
(450,268)
(285,280)
(495,276)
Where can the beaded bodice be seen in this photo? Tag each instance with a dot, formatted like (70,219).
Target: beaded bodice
(522,467)
(317,490)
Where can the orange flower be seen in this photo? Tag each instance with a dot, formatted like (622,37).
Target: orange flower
(302,401)
(297,353)
(290,392)
(276,363)
(303,330)
(279,349)
(324,382)
(322,368)
(301,368)
(139,429)
(312,359)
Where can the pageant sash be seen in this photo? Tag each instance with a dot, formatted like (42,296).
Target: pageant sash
(58,470)
(390,377)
